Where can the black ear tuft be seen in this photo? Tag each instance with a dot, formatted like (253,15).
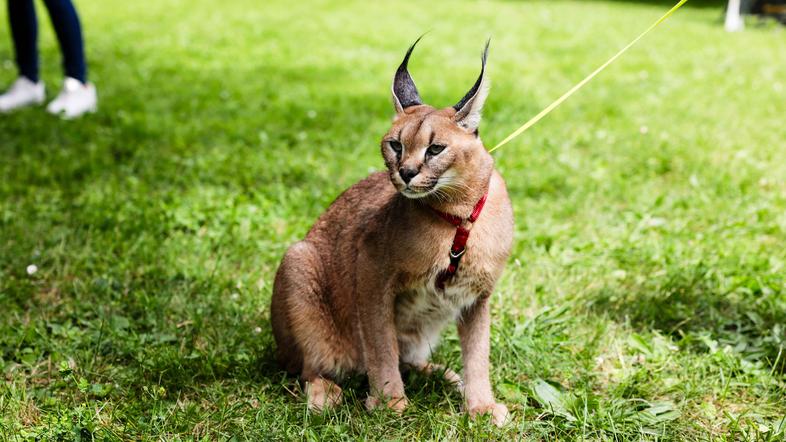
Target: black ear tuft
(405,93)
(472,92)
(468,110)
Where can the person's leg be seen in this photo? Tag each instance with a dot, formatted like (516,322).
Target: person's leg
(27,90)
(24,31)
(69,34)
(77,96)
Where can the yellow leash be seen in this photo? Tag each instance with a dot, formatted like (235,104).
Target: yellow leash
(589,77)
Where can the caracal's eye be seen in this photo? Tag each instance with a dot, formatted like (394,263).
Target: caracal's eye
(435,149)
(396,146)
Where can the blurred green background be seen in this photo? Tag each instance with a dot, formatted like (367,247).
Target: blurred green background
(645,297)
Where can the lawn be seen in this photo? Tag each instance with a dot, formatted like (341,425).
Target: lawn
(645,297)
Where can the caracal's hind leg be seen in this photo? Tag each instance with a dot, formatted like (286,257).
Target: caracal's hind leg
(307,341)
(416,350)
(448,375)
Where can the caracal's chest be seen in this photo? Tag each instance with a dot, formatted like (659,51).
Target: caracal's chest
(424,304)
(422,311)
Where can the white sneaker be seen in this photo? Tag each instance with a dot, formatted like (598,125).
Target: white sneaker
(74,100)
(22,93)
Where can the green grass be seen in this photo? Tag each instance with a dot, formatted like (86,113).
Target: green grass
(645,297)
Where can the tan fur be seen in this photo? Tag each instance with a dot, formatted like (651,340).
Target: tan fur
(358,293)
(322,394)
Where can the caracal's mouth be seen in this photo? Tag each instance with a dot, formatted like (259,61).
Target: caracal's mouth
(419,191)
(415,194)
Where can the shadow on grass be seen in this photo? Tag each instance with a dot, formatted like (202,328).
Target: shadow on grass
(745,312)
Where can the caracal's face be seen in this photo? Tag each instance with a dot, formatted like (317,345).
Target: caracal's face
(428,154)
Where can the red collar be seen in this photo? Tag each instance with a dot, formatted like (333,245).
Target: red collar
(458,248)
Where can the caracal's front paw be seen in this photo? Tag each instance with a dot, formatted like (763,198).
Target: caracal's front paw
(397,404)
(499,413)
(322,394)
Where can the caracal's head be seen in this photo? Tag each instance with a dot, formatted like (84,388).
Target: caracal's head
(436,153)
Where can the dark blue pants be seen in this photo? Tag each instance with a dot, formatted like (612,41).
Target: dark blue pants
(24,30)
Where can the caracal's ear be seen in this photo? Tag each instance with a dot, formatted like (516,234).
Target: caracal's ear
(405,93)
(468,109)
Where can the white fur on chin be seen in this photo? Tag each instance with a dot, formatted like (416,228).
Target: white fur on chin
(411,194)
